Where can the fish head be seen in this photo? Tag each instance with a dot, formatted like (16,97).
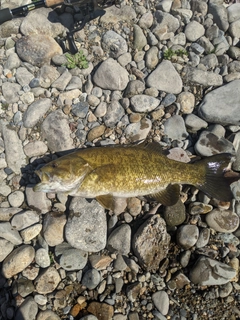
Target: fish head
(61,175)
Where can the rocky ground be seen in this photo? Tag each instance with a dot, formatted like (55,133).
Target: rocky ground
(165,71)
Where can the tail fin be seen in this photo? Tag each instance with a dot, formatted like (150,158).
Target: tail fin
(215,184)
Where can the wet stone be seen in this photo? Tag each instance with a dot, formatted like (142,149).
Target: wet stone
(150,243)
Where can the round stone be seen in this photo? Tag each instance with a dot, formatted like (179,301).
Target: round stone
(222,220)
(16,198)
(187,236)
(91,279)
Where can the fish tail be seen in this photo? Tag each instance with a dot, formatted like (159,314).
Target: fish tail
(214,183)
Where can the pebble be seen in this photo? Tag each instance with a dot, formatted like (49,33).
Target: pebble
(6,248)
(8,232)
(187,236)
(47,281)
(31,232)
(209,272)
(187,102)
(194,30)
(47,314)
(24,219)
(161,301)
(175,129)
(144,103)
(87,229)
(150,243)
(175,215)
(194,123)
(18,260)
(91,279)
(42,258)
(27,310)
(222,220)
(204,78)
(36,111)
(35,149)
(16,198)
(114,114)
(120,240)
(70,258)
(102,311)
(114,44)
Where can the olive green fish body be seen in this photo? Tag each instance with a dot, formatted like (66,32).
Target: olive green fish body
(130,171)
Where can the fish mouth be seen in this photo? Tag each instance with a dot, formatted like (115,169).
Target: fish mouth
(45,180)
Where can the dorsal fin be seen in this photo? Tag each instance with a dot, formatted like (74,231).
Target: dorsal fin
(151,146)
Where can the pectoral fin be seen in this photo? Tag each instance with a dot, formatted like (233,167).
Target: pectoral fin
(168,196)
(107,201)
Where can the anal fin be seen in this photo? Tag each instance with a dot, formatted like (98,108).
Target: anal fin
(107,201)
(168,196)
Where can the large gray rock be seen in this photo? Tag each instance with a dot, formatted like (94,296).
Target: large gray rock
(55,129)
(164,25)
(222,105)
(165,78)
(111,75)
(86,228)
(209,272)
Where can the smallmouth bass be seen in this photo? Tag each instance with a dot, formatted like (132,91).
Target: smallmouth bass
(130,171)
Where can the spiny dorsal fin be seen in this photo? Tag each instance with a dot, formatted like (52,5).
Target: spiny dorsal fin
(151,146)
(168,196)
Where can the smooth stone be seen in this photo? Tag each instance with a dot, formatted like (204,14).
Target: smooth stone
(138,131)
(139,39)
(42,258)
(15,156)
(48,281)
(146,20)
(164,25)
(194,30)
(68,96)
(37,200)
(16,198)
(233,12)
(24,219)
(203,238)
(40,299)
(120,240)
(95,132)
(186,101)
(161,301)
(175,215)
(175,129)
(87,228)
(209,144)
(80,109)
(91,279)
(35,149)
(134,87)
(70,258)
(220,15)
(209,272)
(205,78)
(199,208)
(102,311)
(194,123)
(62,82)
(24,287)
(47,315)
(55,129)
(165,78)
(18,260)
(144,103)
(222,220)
(114,44)
(13,62)
(151,243)
(10,92)
(36,111)
(28,310)
(114,114)
(31,232)
(6,248)
(53,228)
(187,236)
(10,233)
(178,281)
(227,100)
(111,75)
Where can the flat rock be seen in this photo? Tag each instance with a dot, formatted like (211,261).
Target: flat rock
(16,198)
(86,229)
(150,243)
(23,76)
(47,281)
(138,131)
(18,260)
(205,78)
(6,248)
(55,129)
(161,301)
(37,49)
(165,78)
(102,311)
(24,219)
(209,272)
(222,220)
(70,258)
(114,44)
(31,232)
(194,123)
(53,228)
(222,105)
(209,144)
(10,233)
(15,156)
(144,103)
(139,39)
(111,75)
(10,91)
(120,240)
(175,129)
(114,14)
(35,149)
(35,112)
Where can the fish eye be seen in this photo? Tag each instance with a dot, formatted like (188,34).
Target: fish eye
(54,165)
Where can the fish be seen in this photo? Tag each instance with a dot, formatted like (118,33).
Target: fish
(127,171)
